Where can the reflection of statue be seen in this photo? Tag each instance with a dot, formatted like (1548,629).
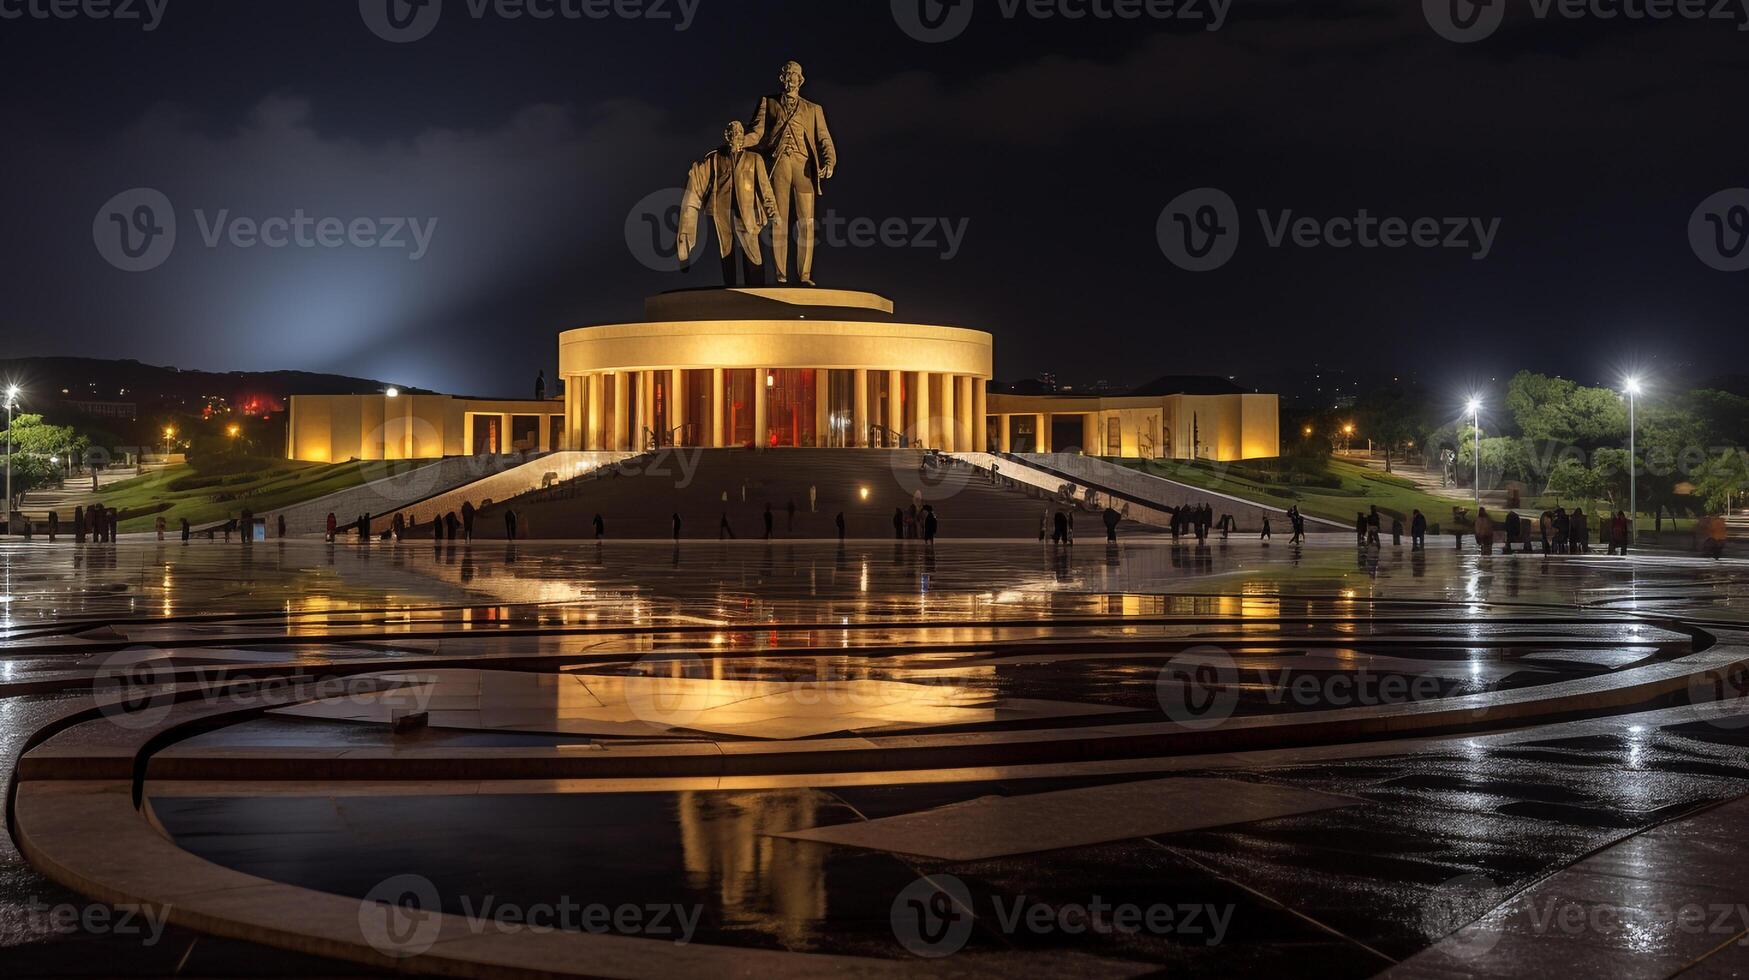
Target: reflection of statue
(741,203)
(792,133)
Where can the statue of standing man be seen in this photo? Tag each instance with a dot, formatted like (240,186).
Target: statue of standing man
(791,133)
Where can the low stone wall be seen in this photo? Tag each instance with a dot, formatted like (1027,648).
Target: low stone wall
(410,483)
(498,487)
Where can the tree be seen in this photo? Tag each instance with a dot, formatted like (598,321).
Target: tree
(35,450)
(1564,411)
(1572,478)
(1722,478)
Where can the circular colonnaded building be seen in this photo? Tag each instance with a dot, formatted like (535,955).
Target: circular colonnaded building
(773,367)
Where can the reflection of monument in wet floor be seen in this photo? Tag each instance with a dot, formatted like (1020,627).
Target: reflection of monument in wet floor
(769,884)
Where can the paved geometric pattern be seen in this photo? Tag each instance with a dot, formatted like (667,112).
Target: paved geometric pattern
(801,757)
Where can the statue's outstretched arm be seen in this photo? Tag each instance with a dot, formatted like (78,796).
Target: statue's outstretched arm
(756,126)
(698,184)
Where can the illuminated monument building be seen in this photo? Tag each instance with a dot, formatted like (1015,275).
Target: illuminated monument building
(785,365)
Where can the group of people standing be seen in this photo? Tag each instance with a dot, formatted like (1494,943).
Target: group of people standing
(444,527)
(1561,533)
(913,522)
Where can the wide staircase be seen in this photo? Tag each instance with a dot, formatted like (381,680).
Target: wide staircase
(73,493)
(638,498)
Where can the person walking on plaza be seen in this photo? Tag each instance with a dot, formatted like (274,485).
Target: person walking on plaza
(930,524)
(1372,526)
(1061,534)
(467,520)
(55,527)
(451,525)
(1360,528)
(1618,534)
(1396,530)
(1296,524)
(436,531)
(813,499)
(1417,531)
(1579,532)
(768,520)
(1265,535)
(1484,531)
(676,521)
(838,522)
(364,528)
(1562,525)
(1111,519)
(723,528)
(280,526)
(187,531)
(78,525)
(509,524)
(1513,527)
(248,523)
(600,528)
(160,526)
(1546,527)
(328,531)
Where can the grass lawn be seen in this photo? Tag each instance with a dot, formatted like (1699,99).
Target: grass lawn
(1332,489)
(206,497)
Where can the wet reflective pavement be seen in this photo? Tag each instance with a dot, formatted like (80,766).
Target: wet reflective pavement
(576,651)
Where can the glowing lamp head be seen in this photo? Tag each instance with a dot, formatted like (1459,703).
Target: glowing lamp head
(393,392)
(1633,386)
(234,431)
(862,492)
(1473,406)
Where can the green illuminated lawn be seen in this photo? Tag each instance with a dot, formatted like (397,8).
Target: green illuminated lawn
(209,497)
(1331,489)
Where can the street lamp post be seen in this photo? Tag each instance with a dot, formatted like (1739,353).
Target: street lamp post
(1633,390)
(1475,408)
(11,403)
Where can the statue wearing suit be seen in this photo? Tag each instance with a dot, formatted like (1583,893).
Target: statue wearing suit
(791,132)
(741,203)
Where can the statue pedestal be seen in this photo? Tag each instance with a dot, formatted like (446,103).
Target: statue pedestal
(767,303)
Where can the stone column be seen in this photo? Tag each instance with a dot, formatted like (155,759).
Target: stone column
(1005,433)
(716,408)
(950,440)
(677,401)
(822,406)
(622,410)
(980,417)
(1044,433)
(593,434)
(920,412)
(761,408)
(503,434)
(859,416)
(971,426)
(895,408)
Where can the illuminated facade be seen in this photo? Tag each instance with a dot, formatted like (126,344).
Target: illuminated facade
(336,428)
(772,367)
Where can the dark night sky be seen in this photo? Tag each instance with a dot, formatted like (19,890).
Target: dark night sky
(1057,142)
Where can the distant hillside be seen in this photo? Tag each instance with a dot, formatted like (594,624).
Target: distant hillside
(133,400)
